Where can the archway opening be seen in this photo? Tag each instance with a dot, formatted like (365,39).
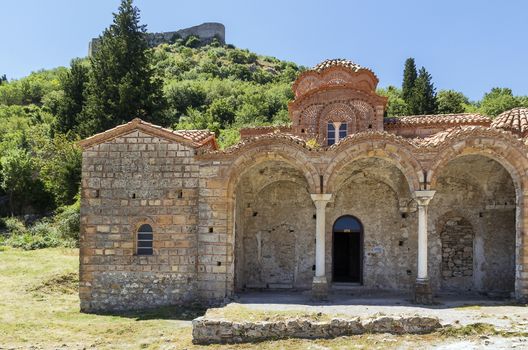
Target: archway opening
(376,193)
(274,228)
(347,250)
(472,243)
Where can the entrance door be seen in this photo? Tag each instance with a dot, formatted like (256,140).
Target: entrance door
(348,250)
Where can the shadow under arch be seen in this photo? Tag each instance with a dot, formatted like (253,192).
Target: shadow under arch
(248,158)
(506,150)
(514,161)
(394,153)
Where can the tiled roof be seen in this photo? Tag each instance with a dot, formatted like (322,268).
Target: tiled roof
(514,120)
(338,62)
(196,138)
(459,131)
(262,130)
(193,135)
(254,139)
(435,119)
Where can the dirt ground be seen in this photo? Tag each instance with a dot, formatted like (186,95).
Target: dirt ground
(450,309)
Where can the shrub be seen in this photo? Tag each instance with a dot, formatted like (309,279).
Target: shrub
(13,226)
(67,223)
(192,41)
(60,231)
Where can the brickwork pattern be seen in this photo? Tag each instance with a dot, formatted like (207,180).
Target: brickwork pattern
(129,181)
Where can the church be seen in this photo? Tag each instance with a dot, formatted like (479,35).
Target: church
(343,196)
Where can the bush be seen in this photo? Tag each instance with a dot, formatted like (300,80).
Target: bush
(13,226)
(67,223)
(60,231)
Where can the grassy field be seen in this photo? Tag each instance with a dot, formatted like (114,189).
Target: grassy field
(39,309)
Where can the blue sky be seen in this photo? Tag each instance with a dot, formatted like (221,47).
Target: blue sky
(466,45)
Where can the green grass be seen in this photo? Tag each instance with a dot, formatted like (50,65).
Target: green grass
(39,306)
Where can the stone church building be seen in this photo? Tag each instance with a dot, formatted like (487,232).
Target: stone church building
(342,197)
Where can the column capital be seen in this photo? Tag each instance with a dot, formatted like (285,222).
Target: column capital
(423,197)
(321,197)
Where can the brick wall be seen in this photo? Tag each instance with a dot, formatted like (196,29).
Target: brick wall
(132,180)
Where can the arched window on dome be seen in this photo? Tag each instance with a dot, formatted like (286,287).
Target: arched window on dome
(336,131)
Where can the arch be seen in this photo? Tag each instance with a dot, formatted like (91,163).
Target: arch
(503,148)
(257,152)
(507,151)
(272,201)
(377,145)
(336,112)
(347,249)
(350,221)
(144,240)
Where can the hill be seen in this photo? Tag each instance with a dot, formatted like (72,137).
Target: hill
(213,86)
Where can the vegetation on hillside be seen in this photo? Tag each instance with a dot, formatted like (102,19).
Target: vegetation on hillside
(183,85)
(418,96)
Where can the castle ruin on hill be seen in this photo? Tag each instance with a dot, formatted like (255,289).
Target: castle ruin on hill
(206,32)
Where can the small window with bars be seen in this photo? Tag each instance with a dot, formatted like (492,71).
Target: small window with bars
(342,131)
(145,237)
(330,134)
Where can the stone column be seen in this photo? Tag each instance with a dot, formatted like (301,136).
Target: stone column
(422,288)
(320,284)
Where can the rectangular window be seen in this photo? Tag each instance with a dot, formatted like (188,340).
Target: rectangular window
(342,131)
(330,134)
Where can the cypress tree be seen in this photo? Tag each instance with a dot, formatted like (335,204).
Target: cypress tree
(122,82)
(423,97)
(409,79)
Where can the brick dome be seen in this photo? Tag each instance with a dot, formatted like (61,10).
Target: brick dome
(514,120)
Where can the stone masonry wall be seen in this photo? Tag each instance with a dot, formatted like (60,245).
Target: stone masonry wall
(480,191)
(275,243)
(372,191)
(457,252)
(132,180)
(215,254)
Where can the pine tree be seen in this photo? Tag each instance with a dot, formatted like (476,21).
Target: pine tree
(74,85)
(423,97)
(409,79)
(122,82)
(3,79)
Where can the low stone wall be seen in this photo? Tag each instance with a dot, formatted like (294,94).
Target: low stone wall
(221,331)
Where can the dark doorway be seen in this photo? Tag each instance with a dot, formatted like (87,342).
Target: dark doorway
(348,250)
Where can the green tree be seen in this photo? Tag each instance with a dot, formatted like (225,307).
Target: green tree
(3,79)
(409,78)
(423,98)
(17,171)
(123,84)
(223,110)
(70,107)
(451,101)
(497,101)
(396,105)
(61,169)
